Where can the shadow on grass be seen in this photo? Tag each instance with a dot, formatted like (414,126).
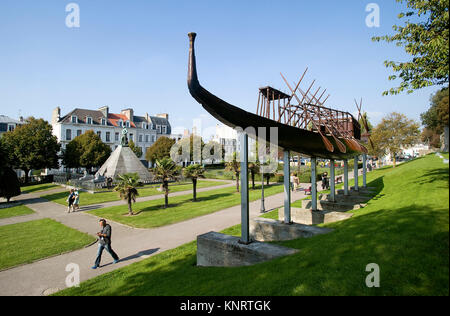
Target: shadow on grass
(332,264)
(440,174)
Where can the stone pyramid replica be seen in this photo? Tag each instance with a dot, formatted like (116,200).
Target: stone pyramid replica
(121,161)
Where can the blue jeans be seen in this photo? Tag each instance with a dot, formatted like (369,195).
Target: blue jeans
(100,251)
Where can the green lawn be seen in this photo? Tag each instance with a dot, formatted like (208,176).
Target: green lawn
(30,241)
(152,213)
(90,199)
(405,231)
(18,210)
(39,188)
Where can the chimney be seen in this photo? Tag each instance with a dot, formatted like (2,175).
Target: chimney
(128,113)
(163,115)
(56,115)
(104,110)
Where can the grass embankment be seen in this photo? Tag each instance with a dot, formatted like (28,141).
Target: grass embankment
(181,208)
(34,240)
(90,199)
(39,188)
(18,210)
(405,231)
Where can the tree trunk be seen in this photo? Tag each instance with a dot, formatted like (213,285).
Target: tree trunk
(395,161)
(194,188)
(130,210)
(237,182)
(268,179)
(253,180)
(26,175)
(166,194)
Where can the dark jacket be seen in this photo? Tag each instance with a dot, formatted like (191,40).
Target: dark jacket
(106,231)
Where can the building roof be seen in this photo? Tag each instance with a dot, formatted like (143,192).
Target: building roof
(7,119)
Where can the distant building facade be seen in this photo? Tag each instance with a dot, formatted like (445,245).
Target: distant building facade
(8,124)
(143,130)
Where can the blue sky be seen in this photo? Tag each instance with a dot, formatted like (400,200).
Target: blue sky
(134,54)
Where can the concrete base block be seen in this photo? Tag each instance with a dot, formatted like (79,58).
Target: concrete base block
(340,198)
(324,205)
(219,250)
(357,193)
(365,190)
(264,229)
(310,217)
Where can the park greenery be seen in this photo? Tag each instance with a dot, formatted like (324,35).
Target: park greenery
(424,36)
(394,133)
(126,185)
(407,219)
(16,210)
(165,170)
(43,238)
(436,118)
(31,146)
(86,150)
(194,172)
(160,149)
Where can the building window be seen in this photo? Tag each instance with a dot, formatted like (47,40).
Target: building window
(116,137)
(68,134)
(158,129)
(144,126)
(74,119)
(103,121)
(11,127)
(128,124)
(108,136)
(164,129)
(89,120)
(131,137)
(147,138)
(153,138)
(79,132)
(120,124)
(140,138)
(99,133)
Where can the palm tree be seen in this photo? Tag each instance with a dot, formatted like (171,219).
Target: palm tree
(164,171)
(127,187)
(234,166)
(194,172)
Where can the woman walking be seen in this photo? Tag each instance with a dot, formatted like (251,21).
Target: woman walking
(76,202)
(70,200)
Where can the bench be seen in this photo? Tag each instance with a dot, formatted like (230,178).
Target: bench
(308,190)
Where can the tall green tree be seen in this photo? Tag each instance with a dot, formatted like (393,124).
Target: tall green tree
(164,171)
(137,150)
(194,172)
(32,146)
(193,139)
(87,151)
(127,185)
(436,118)
(424,36)
(395,133)
(160,149)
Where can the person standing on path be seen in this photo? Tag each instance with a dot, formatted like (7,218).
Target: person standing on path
(76,201)
(104,243)
(70,200)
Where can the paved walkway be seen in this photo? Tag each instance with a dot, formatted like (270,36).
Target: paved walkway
(131,244)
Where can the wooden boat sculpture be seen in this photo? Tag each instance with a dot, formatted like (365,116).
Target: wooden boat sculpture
(306,128)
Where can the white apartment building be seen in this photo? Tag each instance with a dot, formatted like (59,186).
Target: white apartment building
(143,130)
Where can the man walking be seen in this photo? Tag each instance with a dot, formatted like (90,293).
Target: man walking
(104,243)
